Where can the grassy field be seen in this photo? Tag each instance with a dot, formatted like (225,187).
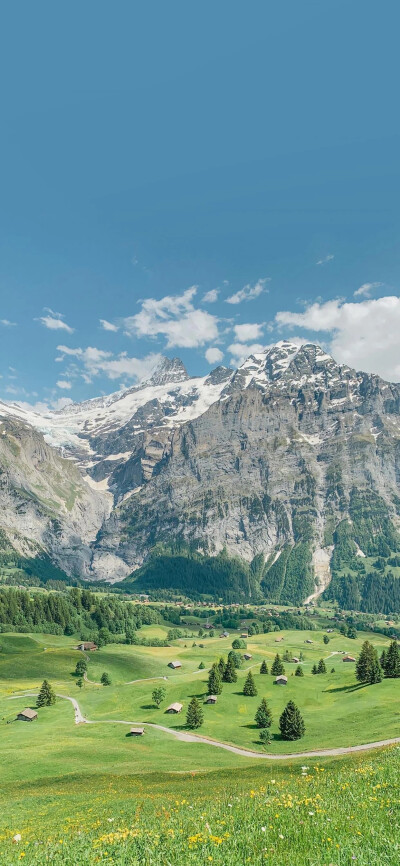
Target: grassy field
(53,769)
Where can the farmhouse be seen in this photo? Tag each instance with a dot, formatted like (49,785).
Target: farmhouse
(247,656)
(308,640)
(174,708)
(27,715)
(136,732)
(211,699)
(224,634)
(295,660)
(348,659)
(174,665)
(87,645)
(281,680)
(244,634)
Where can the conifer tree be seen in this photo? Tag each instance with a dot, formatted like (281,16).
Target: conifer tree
(291,723)
(249,687)
(105,679)
(392,663)
(236,658)
(264,667)
(229,675)
(299,671)
(314,669)
(221,666)
(263,716)
(194,715)
(214,681)
(46,696)
(382,661)
(277,667)
(368,669)
(321,667)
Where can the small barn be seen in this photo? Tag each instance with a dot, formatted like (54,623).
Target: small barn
(295,660)
(247,656)
(281,680)
(211,699)
(244,634)
(27,715)
(348,659)
(87,646)
(224,634)
(174,665)
(174,708)
(308,640)
(136,732)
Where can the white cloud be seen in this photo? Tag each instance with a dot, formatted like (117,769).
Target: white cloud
(54,322)
(211,296)
(64,384)
(7,323)
(244,333)
(176,318)
(108,326)
(213,355)
(97,361)
(365,290)
(248,293)
(363,334)
(241,351)
(325,260)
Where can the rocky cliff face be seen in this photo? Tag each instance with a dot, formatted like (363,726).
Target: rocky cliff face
(270,459)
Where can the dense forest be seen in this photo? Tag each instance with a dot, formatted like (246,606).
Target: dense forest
(104,619)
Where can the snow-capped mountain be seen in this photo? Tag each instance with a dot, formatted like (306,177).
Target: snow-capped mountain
(270,459)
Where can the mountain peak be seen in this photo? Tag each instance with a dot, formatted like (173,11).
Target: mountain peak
(168,370)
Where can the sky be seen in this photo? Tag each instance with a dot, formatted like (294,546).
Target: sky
(195,180)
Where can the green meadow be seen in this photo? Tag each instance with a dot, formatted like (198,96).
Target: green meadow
(56,774)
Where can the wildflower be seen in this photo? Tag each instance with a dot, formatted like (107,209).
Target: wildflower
(17,837)
(230,805)
(263,829)
(311,813)
(281,836)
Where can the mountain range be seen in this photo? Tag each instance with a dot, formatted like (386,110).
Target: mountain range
(289,464)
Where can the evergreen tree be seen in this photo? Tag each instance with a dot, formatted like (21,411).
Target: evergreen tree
(236,658)
(265,736)
(249,687)
(314,669)
(368,669)
(229,675)
(352,633)
(194,715)
(46,696)
(332,670)
(392,665)
(382,661)
(321,667)
(221,666)
(201,666)
(263,716)
(79,682)
(299,671)
(291,723)
(277,667)
(325,639)
(264,667)
(105,679)
(81,667)
(214,681)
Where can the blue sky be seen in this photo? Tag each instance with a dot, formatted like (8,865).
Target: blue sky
(159,160)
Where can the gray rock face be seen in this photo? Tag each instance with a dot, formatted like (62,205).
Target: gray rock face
(252,460)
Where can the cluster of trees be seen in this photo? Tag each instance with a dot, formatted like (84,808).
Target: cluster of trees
(223,672)
(390,661)
(320,668)
(103,619)
(368,669)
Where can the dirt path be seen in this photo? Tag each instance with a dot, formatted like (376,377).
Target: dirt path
(196,738)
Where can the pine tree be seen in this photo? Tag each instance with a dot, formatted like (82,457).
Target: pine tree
(229,675)
(277,668)
(201,666)
(383,661)
(325,639)
(299,671)
(392,664)
(249,687)
(265,736)
(263,716)
(46,696)
(314,669)
(105,679)
(79,682)
(264,667)
(221,666)
(291,723)
(194,715)
(81,667)
(236,658)
(321,667)
(214,681)
(368,669)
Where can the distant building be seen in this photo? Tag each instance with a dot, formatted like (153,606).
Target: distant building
(308,640)
(244,634)
(281,680)
(348,659)
(27,715)
(295,660)
(87,645)
(174,708)
(211,699)
(136,732)
(174,665)
(224,634)
(247,656)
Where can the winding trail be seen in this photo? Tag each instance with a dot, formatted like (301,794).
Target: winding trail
(195,738)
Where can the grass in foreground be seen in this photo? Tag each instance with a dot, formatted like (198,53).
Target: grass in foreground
(327,814)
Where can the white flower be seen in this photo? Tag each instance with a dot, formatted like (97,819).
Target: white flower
(110,819)
(263,829)
(230,805)
(280,836)
(305,768)
(272,781)
(311,813)
(17,837)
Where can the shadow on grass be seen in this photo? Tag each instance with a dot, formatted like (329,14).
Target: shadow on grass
(352,688)
(149,707)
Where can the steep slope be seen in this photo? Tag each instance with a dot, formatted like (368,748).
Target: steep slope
(295,446)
